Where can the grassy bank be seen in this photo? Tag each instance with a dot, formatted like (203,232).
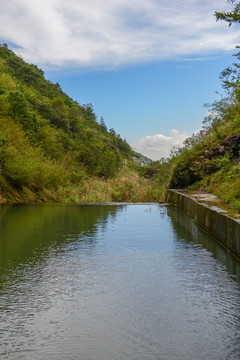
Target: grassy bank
(126,186)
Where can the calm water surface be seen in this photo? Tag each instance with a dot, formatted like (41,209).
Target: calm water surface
(134,282)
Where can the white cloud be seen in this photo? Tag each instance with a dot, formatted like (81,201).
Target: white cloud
(157,146)
(113,32)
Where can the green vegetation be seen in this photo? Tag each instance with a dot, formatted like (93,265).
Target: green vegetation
(231,16)
(127,186)
(53,149)
(47,140)
(210,160)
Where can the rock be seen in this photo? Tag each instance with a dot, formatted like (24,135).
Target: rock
(188,173)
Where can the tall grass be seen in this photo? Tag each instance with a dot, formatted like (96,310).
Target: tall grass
(127,186)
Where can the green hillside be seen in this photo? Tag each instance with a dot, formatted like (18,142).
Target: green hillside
(54,149)
(210,160)
(48,140)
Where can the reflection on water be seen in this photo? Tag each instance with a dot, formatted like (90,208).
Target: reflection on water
(188,233)
(137,282)
(25,229)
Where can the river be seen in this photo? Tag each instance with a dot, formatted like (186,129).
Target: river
(114,282)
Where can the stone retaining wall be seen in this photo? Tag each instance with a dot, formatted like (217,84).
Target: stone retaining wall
(211,218)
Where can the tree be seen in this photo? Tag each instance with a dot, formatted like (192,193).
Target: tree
(29,74)
(18,106)
(103,125)
(230,17)
(231,75)
(88,113)
(112,132)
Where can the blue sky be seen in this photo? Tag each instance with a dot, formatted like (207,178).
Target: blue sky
(147,66)
(151,98)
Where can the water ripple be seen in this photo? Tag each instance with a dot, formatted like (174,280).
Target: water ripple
(115,282)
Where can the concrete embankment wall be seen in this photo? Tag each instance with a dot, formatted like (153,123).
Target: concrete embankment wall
(210,218)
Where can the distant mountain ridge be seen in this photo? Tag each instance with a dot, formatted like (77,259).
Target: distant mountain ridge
(142,159)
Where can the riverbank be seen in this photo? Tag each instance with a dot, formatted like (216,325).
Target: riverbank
(218,220)
(126,186)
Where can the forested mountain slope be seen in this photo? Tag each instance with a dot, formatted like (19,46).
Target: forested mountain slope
(48,140)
